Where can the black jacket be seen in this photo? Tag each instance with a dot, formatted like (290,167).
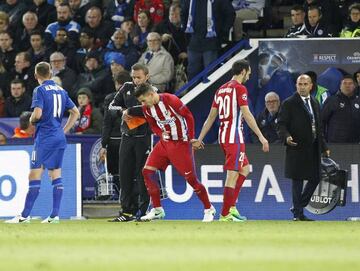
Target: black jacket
(341,118)
(125,99)
(46,13)
(111,121)
(268,126)
(302,162)
(27,75)
(14,108)
(295,30)
(318,31)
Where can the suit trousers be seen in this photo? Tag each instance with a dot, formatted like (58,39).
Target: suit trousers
(301,195)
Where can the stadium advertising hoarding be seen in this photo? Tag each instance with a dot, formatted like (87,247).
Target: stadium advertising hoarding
(14,171)
(266,194)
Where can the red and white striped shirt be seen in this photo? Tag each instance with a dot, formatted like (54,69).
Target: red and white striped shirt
(228,100)
(172,116)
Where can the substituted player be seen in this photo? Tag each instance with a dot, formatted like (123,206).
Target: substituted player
(173,122)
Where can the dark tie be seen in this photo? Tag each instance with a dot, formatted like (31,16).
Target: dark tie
(307,104)
(313,126)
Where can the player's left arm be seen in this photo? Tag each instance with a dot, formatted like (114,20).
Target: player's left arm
(36,115)
(183,111)
(74,115)
(250,120)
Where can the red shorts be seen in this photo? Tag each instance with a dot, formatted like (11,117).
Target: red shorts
(177,153)
(235,156)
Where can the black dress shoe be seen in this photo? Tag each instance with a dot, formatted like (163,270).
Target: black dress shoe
(303,218)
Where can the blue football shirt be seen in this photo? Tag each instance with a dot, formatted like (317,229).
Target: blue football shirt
(54,101)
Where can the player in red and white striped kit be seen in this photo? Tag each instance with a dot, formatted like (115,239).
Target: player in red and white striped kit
(173,122)
(230,104)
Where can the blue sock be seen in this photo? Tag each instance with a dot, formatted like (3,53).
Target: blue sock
(57,195)
(34,189)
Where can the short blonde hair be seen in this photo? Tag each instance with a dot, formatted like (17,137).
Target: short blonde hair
(43,69)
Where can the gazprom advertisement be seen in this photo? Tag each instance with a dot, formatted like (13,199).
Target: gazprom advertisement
(14,184)
(266,194)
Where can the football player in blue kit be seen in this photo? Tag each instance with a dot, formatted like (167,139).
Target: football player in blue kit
(49,103)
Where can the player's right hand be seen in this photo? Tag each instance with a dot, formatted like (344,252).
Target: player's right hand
(197,144)
(265,144)
(165,136)
(102,154)
(290,142)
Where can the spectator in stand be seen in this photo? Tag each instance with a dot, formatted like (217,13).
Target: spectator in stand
(142,29)
(320,93)
(267,120)
(155,8)
(63,21)
(103,29)
(315,27)
(37,51)
(118,10)
(341,114)
(298,22)
(22,35)
(159,62)
(2,104)
(118,44)
(128,27)
(352,27)
(7,51)
(45,12)
(5,78)
(2,139)
(24,71)
(78,10)
(63,45)
(87,45)
(4,21)
(357,81)
(19,101)
(90,120)
(205,38)
(117,65)
(15,9)
(331,16)
(26,129)
(93,78)
(173,36)
(68,76)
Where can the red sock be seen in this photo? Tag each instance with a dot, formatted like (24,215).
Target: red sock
(151,182)
(199,189)
(239,183)
(228,200)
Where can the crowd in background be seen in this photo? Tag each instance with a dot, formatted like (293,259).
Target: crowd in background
(89,42)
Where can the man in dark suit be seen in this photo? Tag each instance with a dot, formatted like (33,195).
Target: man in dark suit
(300,128)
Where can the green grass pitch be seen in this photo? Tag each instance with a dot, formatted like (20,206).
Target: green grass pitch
(180,245)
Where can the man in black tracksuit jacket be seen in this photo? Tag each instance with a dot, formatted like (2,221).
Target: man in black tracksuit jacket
(111,130)
(134,147)
(341,114)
